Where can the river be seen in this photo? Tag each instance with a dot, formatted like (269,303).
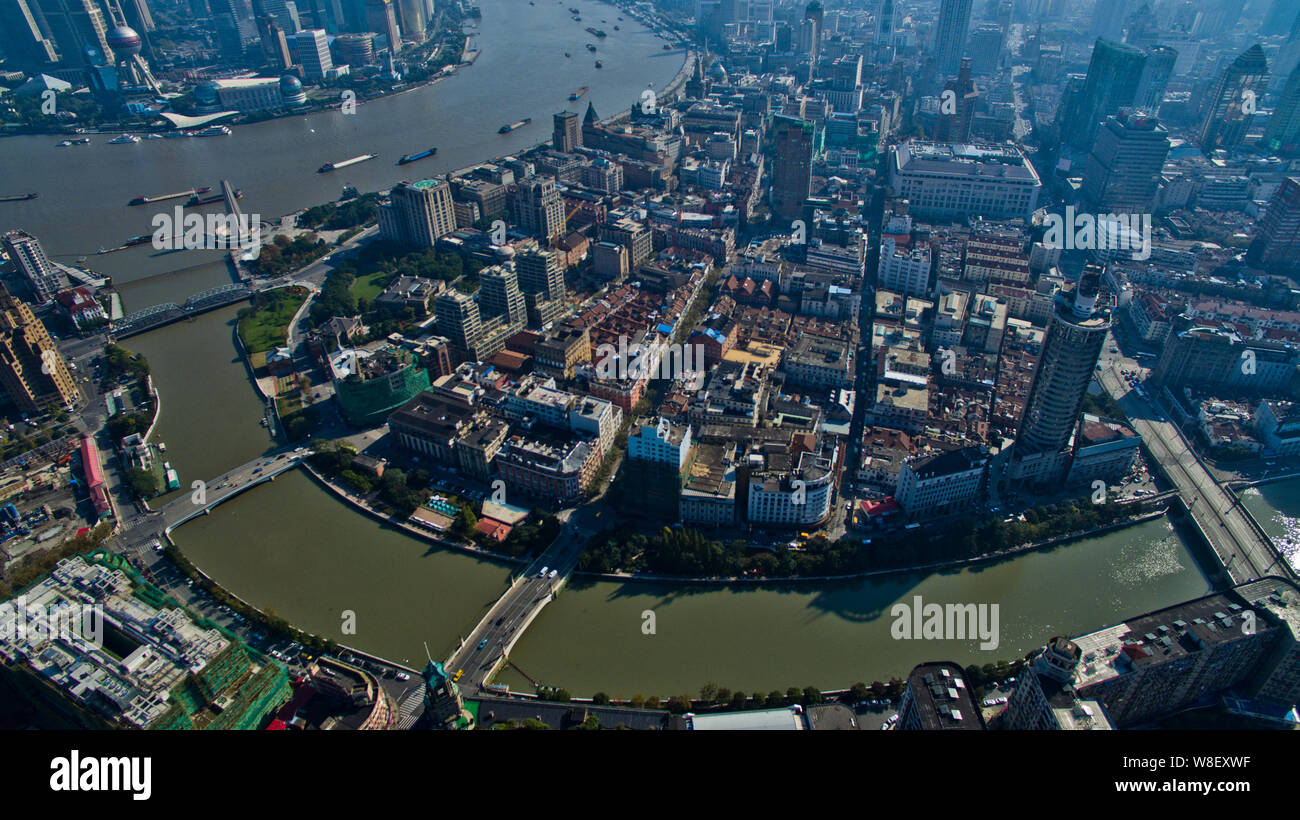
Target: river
(292,548)
(1276,507)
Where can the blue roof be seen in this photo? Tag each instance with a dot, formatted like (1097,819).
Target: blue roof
(665,328)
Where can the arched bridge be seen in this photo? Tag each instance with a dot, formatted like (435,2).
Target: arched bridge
(164,314)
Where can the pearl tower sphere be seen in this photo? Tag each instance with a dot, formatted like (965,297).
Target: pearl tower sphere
(124,41)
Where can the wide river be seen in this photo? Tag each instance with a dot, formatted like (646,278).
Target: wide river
(292,548)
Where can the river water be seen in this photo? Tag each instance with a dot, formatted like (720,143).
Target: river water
(292,548)
(1276,507)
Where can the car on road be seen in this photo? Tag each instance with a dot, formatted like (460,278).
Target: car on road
(542,574)
(402,676)
(482,643)
(554,574)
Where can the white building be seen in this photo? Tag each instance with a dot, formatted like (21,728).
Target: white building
(947,180)
(941,483)
(906,272)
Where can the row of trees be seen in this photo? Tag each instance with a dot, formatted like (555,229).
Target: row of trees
(335,216)
(689,552)
(283,254)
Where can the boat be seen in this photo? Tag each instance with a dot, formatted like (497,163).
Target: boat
(149,200)
(599,64)
(137,240)
(413,157)
(578,94)
(18,197)
(506,129)
(334,166)
(615,28)
(81,141)
(153,136)
(197,200)
(162,446)
(171,135)
(214,131)
(596,32)
(574,11)
(590,47)
(567,54)
(668,46)
(66,143)
(124,139)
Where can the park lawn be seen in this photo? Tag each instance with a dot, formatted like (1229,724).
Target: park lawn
(267,327)
(370,285)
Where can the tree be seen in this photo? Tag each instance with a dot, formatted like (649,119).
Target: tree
(652,702)
(637,701)
(709,692)
(144,483)
(679,704)
(600,699)
(738,700)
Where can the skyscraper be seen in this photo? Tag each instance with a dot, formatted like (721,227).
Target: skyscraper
(381,17)
(791,166)
(457,318)
(539,208)
(25,42)
(957,110)
(418,213)
(1232,104)
(1277,246)
(541,278)
(1071,348)
(79,29)
(311,50)
(1283,132)
(31,369)
(567,134)
(1122,174)
(27,255)
(1155,78)
(1114,73)
(950,35)
(499,295)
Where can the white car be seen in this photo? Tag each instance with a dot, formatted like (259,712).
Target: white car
(403,676)
(542,574)
(554,574)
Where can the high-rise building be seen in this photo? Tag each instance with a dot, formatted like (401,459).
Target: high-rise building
(27,255)
(31,369)
(1277,246)
(1114,73)
(541,278)
(1071,348)
(499,295)
(418,213)
(311,50)
(381,18)
(79,29)
(1233,102)
(275,45)
(950,35)
(357,49)
(412,18)
(567,136)
(1155,78)
(539,208)
(457,317)
(957,106)
(1122,174)
(1283,132)
(810,30)
(938,697)
(791,166)
(26,43)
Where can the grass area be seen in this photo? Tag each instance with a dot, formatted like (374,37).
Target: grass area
(265,326)
(370,285)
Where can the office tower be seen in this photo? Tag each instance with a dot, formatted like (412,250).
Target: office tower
(382,19)
(275,46)
(457,318)
(1278,244)
(1283,132)
(541,278)
(285,13)
(27,255)
(26,44)
(957,109)
(1108,19)
(567,134)
(137,15)
(938,697)
(658,458)
(1113,76)
(357,49)
(950,35)
(412,18)
(311,51)
(418,213)
(499,295)
(631,234)
(1233,102)
(1155,78)
(31,369)
(792,141)
(886,22)
(985,48)
(539,208)
(1122,174)
(1070,351)
(79,29)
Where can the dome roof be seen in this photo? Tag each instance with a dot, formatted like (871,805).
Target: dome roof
(124,38)
(290,83)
